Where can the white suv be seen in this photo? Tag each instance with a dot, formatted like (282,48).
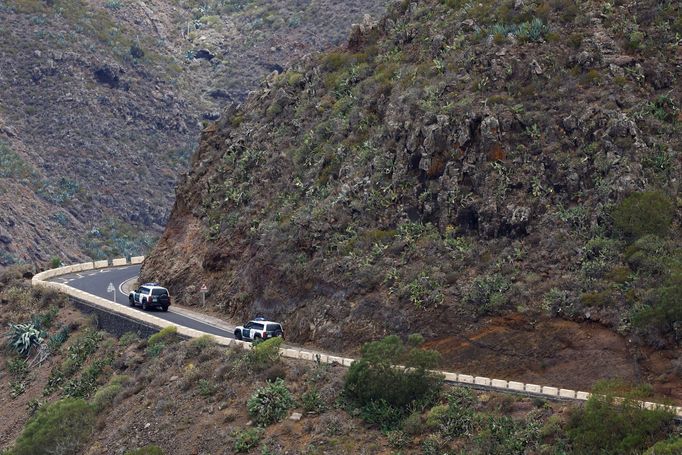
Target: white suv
(259,329)
(150,295)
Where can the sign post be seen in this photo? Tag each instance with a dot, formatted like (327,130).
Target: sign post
(203,291)
(111,289)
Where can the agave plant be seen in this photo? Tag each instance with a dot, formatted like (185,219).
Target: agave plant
(23,337)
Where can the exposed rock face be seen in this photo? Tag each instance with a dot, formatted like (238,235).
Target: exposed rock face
(429,174)
(102,104)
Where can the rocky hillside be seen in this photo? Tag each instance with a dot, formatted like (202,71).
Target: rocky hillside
(453,162)
(102,104)
(87,392)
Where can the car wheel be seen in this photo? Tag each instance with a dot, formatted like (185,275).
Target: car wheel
(238,334)
(144,305)
(131,300)
(164,308)
(278,334)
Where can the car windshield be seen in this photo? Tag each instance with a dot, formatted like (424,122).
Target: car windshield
(159,292)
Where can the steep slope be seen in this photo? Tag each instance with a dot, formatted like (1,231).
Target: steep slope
(453,162)
(102,101)
(93,393)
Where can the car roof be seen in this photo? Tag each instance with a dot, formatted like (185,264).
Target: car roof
(153,286)
(262,321)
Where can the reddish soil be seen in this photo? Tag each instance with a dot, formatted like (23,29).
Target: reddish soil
(560,353)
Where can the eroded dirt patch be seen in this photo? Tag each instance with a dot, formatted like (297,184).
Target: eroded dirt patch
(558,352)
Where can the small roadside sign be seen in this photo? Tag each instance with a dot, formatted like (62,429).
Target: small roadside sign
(203,290)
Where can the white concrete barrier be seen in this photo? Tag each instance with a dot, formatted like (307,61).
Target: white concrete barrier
(323,358)
(480,380)
(347,362)
(334,359)
(465,378)
(290,353)
(552,391)
(136,259)
(101,264)
(533,388)
(566,393)
(499,383)
(118,262)
(304,355)
(518,386)
(584,396)
(450,377)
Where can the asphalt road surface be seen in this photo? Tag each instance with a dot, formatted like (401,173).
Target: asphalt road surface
(97,282)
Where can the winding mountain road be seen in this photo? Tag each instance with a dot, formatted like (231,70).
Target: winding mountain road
(90,282)
(97,281)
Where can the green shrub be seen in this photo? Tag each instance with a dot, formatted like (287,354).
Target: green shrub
(12,165)
(106,395)
(504,435)
(264,354)
(312,401)
(488,294)
(206,388)
(597,299)
(165,335)
(45,320)
(641,214)
(61,427)
(648,255)
(665,312)
(146,450)
(397,439)
(246,440)
(17,368)
(381,414)
(606,427)
(270,404)
(434,416)
(155,349)
(202,342)
(58,339)
(376,385)
(457,419)
(85,385)
(80,350)
(128,338)
(668,447)
(413,424)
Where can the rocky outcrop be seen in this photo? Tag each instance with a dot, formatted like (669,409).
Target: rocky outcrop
(430,173)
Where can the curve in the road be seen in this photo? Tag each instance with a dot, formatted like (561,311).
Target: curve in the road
(90,281)
(97,281)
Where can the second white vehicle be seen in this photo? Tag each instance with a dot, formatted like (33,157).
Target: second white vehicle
(258,329)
